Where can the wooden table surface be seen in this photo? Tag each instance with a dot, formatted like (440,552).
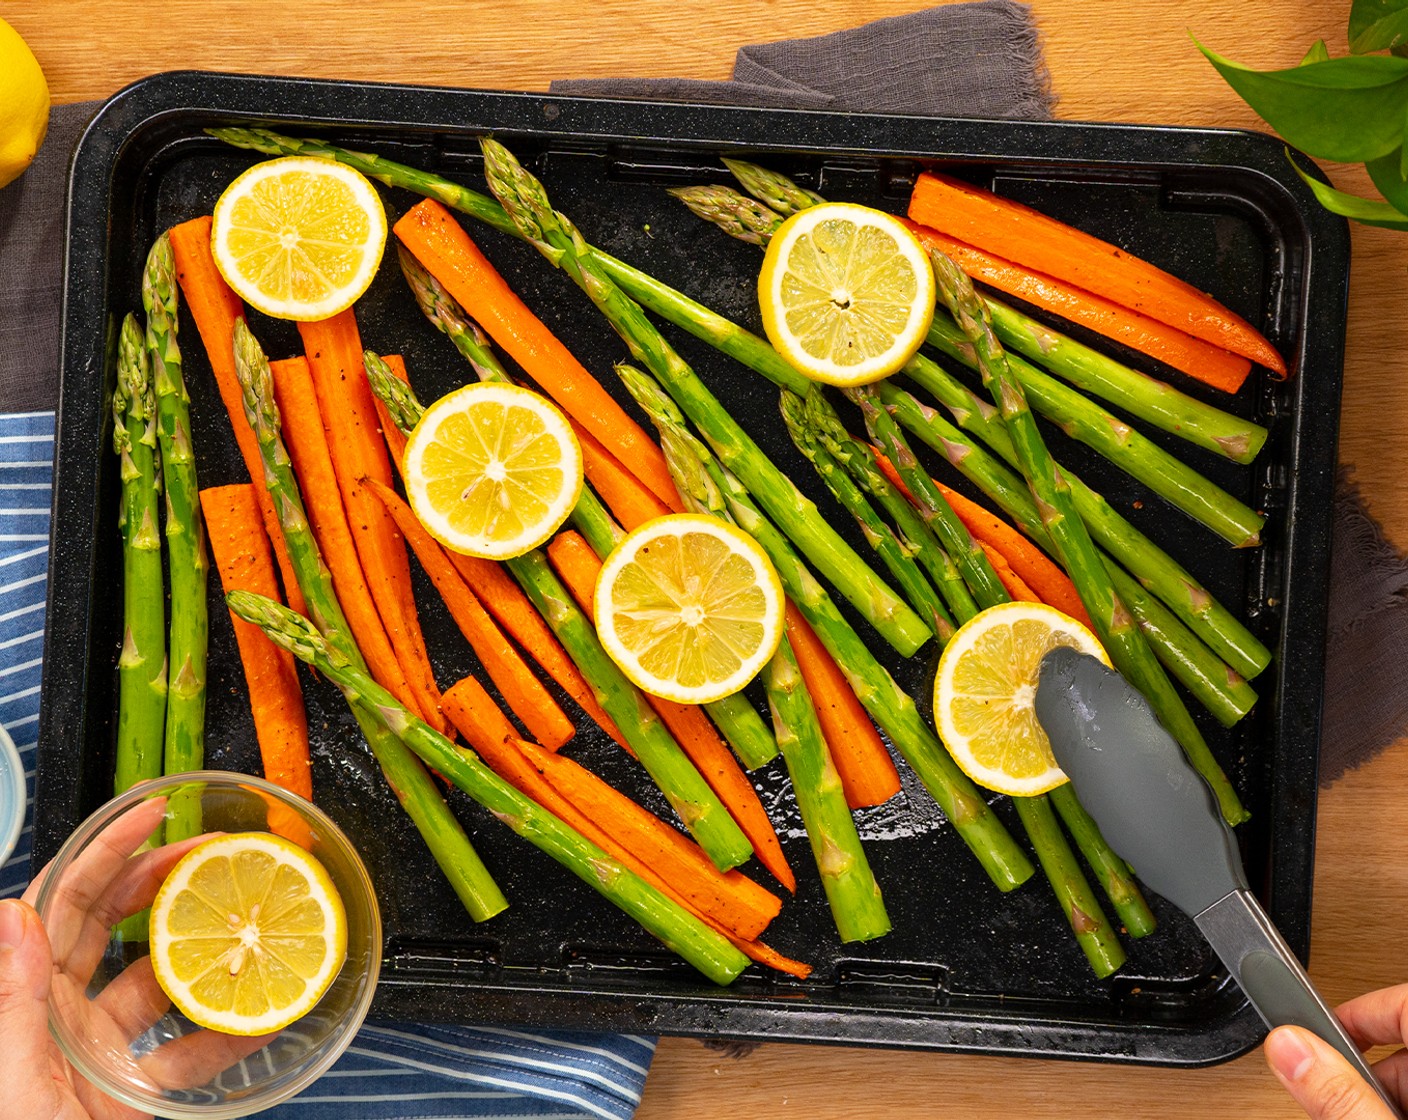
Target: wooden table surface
(1127,61)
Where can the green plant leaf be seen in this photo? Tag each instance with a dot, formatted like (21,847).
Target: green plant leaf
(1387,174)
(1376,25)
(1346,109)
(1366,211)
(1318,53)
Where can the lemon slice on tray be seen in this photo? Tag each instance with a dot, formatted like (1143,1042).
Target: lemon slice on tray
(493,469)
(985,693)
(247,933)
(689,607)
(299,238)
(847,293)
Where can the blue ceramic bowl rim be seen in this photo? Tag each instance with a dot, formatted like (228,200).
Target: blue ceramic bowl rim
(13,767)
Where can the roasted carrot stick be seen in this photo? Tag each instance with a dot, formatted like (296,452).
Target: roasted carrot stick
(578,566)
(1017,233)
(867,772)
(631,501)
(1040,574)
(241,550)
(348,409)
(612,821)
(1013,583)
(215,307)
(307,444)
(1210,364)
(729,897)
(521,690)
(440,243)
(395,438)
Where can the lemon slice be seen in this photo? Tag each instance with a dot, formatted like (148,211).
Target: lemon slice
(247,932)
(689,607)
(847,293)
(985,693)
(493,469)
(299,238)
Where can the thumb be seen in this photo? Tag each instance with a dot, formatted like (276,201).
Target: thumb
(26,966)
(1322,1082)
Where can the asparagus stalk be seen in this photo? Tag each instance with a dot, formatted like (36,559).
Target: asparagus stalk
(668,766)
(407,778)
(736,718)
(851,889)
(185,542)
(898,556)
(141,708)
(1113,621)
(859,461)
(704,948)
(526,201)
(1223,691)
(1146,398)
(706,485)
(1193,604)
(1114,874)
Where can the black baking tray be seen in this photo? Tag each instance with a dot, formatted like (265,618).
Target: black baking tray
(965,969)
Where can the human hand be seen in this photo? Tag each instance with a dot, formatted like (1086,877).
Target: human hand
(111,880)
(1326,1085)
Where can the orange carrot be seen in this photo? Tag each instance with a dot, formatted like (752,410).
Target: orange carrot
(1210,364)
(395,440)
(1026,237)
(1040,574)
(867,772)
(629,499)
(521,690)
(241,550)
(215,307)
(440,243)
(1017,589)
(307,445)
(348,409)
(670,861)
(731,898)
(578,566)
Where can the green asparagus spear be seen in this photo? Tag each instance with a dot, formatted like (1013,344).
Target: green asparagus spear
(1176,587)
(526,202)
(681,931)
(185,542)
(1143,397)
(1115,625)
(736,718)
(414,788)
(1114,874)
(141,709)
(899,558)
(697,805)
(851,889)
(707,486)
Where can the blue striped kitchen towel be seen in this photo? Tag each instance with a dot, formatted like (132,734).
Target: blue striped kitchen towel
(392,1071)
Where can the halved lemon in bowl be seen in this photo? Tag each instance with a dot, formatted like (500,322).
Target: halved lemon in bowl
(247,933)
(985,694)
(298,237)
(493,469)
(689,607)
(847,293)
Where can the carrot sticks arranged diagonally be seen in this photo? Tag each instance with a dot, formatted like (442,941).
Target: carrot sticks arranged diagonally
(521,690)
(236,531)
(440,243)
(1020,234)
(215,307)
(334,349)
(1210,364)
(578,567)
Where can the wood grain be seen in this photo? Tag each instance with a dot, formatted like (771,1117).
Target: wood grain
(1128,61)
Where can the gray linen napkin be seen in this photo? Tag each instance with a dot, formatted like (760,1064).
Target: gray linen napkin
(979,59)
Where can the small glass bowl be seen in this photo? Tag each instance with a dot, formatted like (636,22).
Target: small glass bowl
(107,1013)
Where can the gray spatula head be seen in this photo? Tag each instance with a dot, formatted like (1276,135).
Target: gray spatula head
(1132,777)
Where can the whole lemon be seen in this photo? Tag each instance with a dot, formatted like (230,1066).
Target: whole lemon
(24,104)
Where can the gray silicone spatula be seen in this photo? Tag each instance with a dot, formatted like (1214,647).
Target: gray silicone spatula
(1158,813)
